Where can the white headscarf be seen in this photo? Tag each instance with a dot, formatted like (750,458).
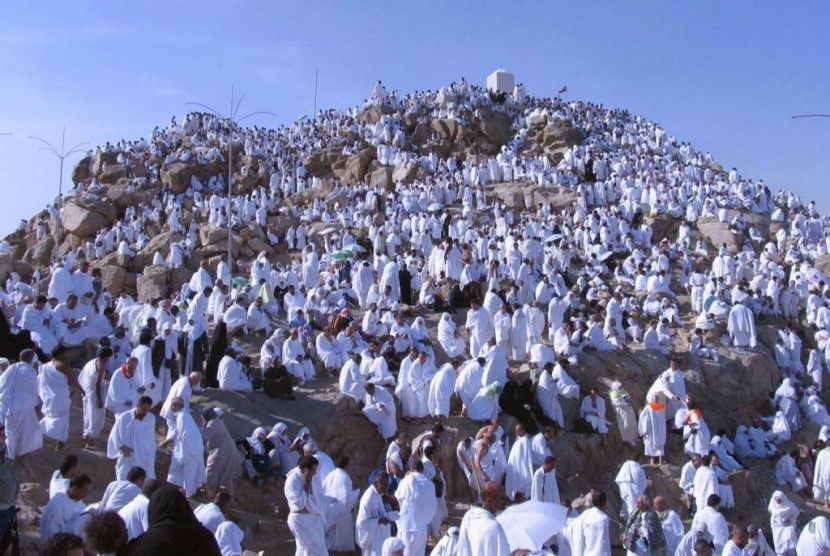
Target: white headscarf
(229,538)
(257,444)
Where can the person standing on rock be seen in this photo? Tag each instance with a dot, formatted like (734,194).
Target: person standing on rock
(306,519)
(416,495)
(18,400)
(652,427)
(187,464)
(480,532)
(91,380)
(53,387)
(132,440)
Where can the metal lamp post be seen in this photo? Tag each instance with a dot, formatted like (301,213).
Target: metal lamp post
(233,122)
(61,155)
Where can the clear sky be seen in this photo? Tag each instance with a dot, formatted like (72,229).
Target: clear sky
(726,76)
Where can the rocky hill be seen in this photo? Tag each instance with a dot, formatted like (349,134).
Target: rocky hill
(113,185)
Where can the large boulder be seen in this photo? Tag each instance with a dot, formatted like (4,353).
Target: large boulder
(80,173)
(84,217)
(718,233)
(511,194)
(123,195)
(113,278)
(6,266)
(152,283)
(282,222)
(382,177)
(111,173)
(408,172)
(352,169)
(495,128)
(177,175)
(41,252)
(320,163)
(373,114)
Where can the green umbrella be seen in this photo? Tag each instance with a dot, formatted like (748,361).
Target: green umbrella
(342,255)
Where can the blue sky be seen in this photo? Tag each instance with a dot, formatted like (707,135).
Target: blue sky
(726,76)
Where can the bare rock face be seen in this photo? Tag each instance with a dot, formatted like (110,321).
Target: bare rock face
(718,233)
(408,172)
(382,177)
(6,266)
(320,163)
(373,114)
(41,252)
(81,173)
(177,175)
(552,138)
(84,217)
(352,169)
(523,196)
(153,283)
(113,278)
(119,195)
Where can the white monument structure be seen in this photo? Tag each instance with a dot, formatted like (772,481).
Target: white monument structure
(501,81)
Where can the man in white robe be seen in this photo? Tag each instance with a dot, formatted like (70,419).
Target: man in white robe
(124,389)
(481,401)
(37,319)
(416,495)
(544,487)
(593,411)
(331,355)
(480,534)
(705,483)
(379,408)
(231,374)
(258,319)
(144,371)
(53,386)
(589,532)
(652,427)
(212,514)
(342,498)
(632,483)
(373,526)
(547,396)
(673,527)
(441,389)
(479,327)
(183,388)
(132,440)
(306,519)
(18,399)
(134,513)
(295,358)
(815,537)
(65,513)
(351,380)
(91,380)
(187,464)
(741,327)
(715,522)
(519,476)
(122,491)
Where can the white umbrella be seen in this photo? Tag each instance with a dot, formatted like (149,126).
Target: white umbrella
(435,206)
(355,248)
(530,524)
(553,237)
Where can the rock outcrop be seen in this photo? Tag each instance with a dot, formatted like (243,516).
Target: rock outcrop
(83,217)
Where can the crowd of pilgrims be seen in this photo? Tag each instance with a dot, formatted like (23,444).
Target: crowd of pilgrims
(539,288)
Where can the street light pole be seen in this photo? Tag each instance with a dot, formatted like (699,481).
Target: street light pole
(232,122)
(62,155)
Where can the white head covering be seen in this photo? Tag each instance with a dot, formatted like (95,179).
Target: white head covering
(229,538)
(392,545)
